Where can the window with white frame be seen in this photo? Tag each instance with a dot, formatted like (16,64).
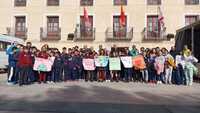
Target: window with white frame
(191,2)
(153,2)
(53,2)
(20,3)
(118,29)
(189,19)
(86,2)
(120,2)
(86,28)
(153,26)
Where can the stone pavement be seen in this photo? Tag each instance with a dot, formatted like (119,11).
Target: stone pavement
(81,97)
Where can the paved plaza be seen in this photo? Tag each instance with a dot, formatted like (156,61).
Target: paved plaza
(82,97)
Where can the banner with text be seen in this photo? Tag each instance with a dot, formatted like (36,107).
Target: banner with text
(88,64)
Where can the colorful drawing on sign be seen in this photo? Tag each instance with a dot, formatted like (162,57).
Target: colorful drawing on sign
(101,61)
(43,65)
(127,61)
(138,62)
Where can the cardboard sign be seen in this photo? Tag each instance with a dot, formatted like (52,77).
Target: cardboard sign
(114,64)
(88,64)
(127,61)
(138,62)
(159,64)
(101,61)
(43,65)
(159,68)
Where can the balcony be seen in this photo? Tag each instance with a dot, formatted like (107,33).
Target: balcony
(154,36)
(123,35)
(46,35)
(20,34)
(84,35)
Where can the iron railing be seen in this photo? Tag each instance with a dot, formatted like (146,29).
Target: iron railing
(16,33)
(123,34)
(46,35)
(84,34)
(154,35)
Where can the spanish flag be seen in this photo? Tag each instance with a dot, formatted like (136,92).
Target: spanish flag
(86,18)
(122,17)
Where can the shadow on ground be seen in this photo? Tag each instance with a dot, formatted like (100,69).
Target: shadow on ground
(76,99)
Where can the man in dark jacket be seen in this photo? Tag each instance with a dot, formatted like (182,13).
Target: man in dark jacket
(65,66)
(57,68)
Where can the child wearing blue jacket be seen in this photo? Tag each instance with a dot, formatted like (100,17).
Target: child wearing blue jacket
(12,65)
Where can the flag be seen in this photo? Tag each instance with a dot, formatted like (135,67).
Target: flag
(86,18)
(122,17)
(161,18)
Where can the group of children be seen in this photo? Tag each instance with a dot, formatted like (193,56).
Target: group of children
(162,66)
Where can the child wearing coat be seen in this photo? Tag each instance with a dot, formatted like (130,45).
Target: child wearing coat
(190,69)
(12,65)
(25,63)
(56,73)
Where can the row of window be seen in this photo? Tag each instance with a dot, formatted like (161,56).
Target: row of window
(153,26)
(91,2)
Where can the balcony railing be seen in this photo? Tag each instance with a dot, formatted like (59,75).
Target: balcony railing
(123,35)
(46,35)
(154,36)
(84,35)
(20,34)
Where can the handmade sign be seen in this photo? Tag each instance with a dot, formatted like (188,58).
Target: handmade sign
(127,61)
(138,62)
(43,65)
(114,64)
(101,61)
(159,64)
(88,64)
(160,60)
(159,68)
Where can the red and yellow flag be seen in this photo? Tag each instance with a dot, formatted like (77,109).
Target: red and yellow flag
(122,17)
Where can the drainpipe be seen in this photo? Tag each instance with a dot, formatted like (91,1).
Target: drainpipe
(192,38)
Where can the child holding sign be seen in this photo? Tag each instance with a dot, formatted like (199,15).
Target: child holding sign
(44,55)
(114,66)
(159,66)
(101,62)
(128,66)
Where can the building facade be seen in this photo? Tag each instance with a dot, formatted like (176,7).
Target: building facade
(61,22)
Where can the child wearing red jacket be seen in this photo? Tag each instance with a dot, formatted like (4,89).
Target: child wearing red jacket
(25,62)
(43,54)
